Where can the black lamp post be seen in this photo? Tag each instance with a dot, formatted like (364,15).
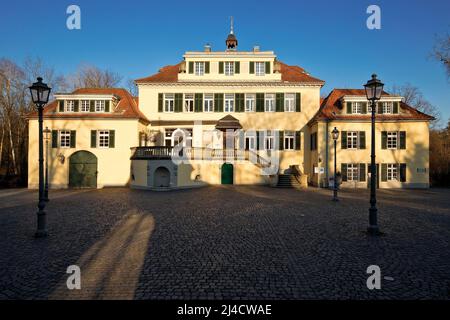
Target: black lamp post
(335,135)
(374,88)
(40,93)
(47,132)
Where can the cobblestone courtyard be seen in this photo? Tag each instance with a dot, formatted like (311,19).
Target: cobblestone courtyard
(225,242)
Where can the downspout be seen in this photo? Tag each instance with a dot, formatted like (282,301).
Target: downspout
(326,153)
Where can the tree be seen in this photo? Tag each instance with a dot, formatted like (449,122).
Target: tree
(413,96)
(441,52)
(132,87)
(88,76)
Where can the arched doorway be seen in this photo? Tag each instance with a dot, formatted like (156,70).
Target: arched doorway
(162,177)
(83,170)
(227,173)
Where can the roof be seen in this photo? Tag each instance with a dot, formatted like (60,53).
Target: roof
(228,122)
(294,74)
(331,108)
(127,108)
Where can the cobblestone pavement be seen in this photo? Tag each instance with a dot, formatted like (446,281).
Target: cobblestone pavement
(244,242)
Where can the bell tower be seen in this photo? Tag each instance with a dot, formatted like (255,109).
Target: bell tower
(231,41)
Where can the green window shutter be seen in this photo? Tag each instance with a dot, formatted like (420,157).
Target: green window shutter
(73,139)
(280,140)
(112,138)
(298,102)
(218,102)
(344,140)
(76,106)
(92,106)
(383,139)
(362,172)
(93,138)
(344,171)
(239,98)
(160,102)
(221,67)
(349,108)
(252,67)
(237,67)
(380,107)
(298,142)
(61,105)
(362,140)
(198,104)
(260,102)
(206,66)
(402,172)
(395,109)
(364,107)
(267,67)
(178,102)
(54,138)
(383,172)
(257,140)
(106,105)
(402,144)
(279,102)
(191,66)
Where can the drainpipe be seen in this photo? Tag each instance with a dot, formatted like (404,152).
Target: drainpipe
(326,154)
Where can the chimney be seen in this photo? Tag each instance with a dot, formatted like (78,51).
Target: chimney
(207,48)
(256,49)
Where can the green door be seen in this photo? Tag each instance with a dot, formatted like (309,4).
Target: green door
(227,173)
(83,170)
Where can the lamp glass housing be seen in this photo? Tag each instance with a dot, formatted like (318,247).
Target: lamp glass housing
(40,92)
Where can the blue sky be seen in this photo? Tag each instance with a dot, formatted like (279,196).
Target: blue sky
(327,38)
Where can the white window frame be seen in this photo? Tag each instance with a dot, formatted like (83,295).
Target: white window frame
(392,140)
(168,137)
(260,68)
(269,141)
(99,105)
(392,172)
(289,102)
(250,102)
(251,142)
(103,139)
(83,104)
(199,68)
(352,139)
(369,107)
(269,102)
(229,68)
(388,107)
(69,106)
(208,102)
(188,102)
(352,172)
(228,102)
(169,102)
(64,135)
(356,107)
(289,140)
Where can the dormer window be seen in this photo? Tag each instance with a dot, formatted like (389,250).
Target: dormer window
(387,107)
(229,68)
(70,106)
(357,108)
(199,68)
(84,105)
(99,105)
(260,69)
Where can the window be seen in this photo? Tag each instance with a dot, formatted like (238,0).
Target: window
(392,140)
(199,68)
(289,138)
(229,102)
(85,106)
(289,102)
(250,143)
(168,137)
(103,139)
(269,141)
(269,105)
(99,105)
(250,102)
(392,173)
(260,68)
(313,141)
(173,137)
(356,107)
(209,103)
(189,102)
(352,140)
(64,139)
(70,106)
(352,172)
(169,102)
(387,107)
(369,107)
(229,68)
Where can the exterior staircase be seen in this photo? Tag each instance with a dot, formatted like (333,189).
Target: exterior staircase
(288,181)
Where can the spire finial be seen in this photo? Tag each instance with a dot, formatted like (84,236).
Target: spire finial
(231,28)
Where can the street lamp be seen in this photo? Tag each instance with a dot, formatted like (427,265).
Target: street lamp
(47,133)
(40,93)
(335,135)
(374,88)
